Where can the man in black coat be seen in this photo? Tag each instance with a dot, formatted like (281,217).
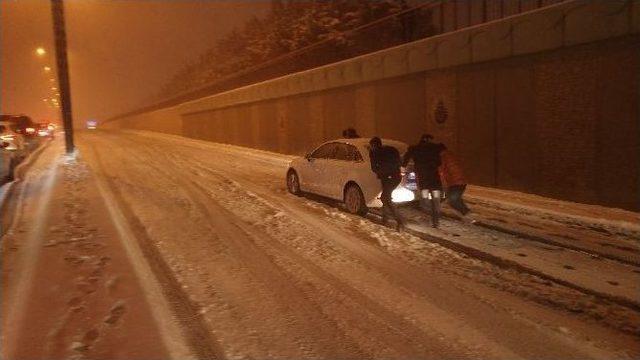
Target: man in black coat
(385,163)
(426,160)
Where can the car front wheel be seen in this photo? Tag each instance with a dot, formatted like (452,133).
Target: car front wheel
(293,182)
(354,200)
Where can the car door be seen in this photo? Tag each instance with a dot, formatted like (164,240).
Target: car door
(314,171)
(340,168)
(366,178)
(330,181)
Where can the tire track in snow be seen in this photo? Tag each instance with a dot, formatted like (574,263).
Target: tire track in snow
(400,276)
(200,340)
(157,152)
(399,330)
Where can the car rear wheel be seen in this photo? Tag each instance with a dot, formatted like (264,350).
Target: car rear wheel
(293,183)
(354,200)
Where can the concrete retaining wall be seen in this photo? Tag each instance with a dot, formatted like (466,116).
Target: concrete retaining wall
(544,102)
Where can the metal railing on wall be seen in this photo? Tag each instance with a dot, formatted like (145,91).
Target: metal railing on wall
(419,22)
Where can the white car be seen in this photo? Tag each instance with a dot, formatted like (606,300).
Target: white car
(341,170)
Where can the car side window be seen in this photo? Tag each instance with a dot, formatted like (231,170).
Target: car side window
(342,153)
(346,152)
(353,154)
(325,151)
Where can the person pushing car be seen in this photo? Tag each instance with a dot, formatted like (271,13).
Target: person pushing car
(426,160)
(385,163)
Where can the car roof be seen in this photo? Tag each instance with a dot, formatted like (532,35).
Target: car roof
(361,142)
(363,145)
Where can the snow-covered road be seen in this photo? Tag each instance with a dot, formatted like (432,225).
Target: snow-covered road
(277,276)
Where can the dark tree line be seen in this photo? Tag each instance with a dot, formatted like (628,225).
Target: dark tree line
(291,25)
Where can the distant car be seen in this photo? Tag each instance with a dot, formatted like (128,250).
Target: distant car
(341,170)
(12,150)
(14,140)
(44,130)
(20,124)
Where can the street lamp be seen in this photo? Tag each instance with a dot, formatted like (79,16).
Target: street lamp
(40,51)
(47,69)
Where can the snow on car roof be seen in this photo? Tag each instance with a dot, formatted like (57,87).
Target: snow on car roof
(365,142)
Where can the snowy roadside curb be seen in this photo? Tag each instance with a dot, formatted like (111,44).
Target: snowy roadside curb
(507,230)
(606,217)
(510,264)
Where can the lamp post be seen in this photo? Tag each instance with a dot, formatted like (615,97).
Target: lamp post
(57,10)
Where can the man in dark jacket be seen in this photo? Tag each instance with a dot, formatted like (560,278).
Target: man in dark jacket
(385,163)
(426,160)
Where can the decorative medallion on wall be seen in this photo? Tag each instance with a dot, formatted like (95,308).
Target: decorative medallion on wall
(440,114)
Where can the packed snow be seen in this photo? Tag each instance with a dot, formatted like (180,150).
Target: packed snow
(272,275)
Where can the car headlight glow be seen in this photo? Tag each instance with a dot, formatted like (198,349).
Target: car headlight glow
(401,195)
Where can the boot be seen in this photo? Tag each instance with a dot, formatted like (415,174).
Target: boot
(435,209)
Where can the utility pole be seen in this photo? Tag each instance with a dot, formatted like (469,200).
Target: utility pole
(57,10)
